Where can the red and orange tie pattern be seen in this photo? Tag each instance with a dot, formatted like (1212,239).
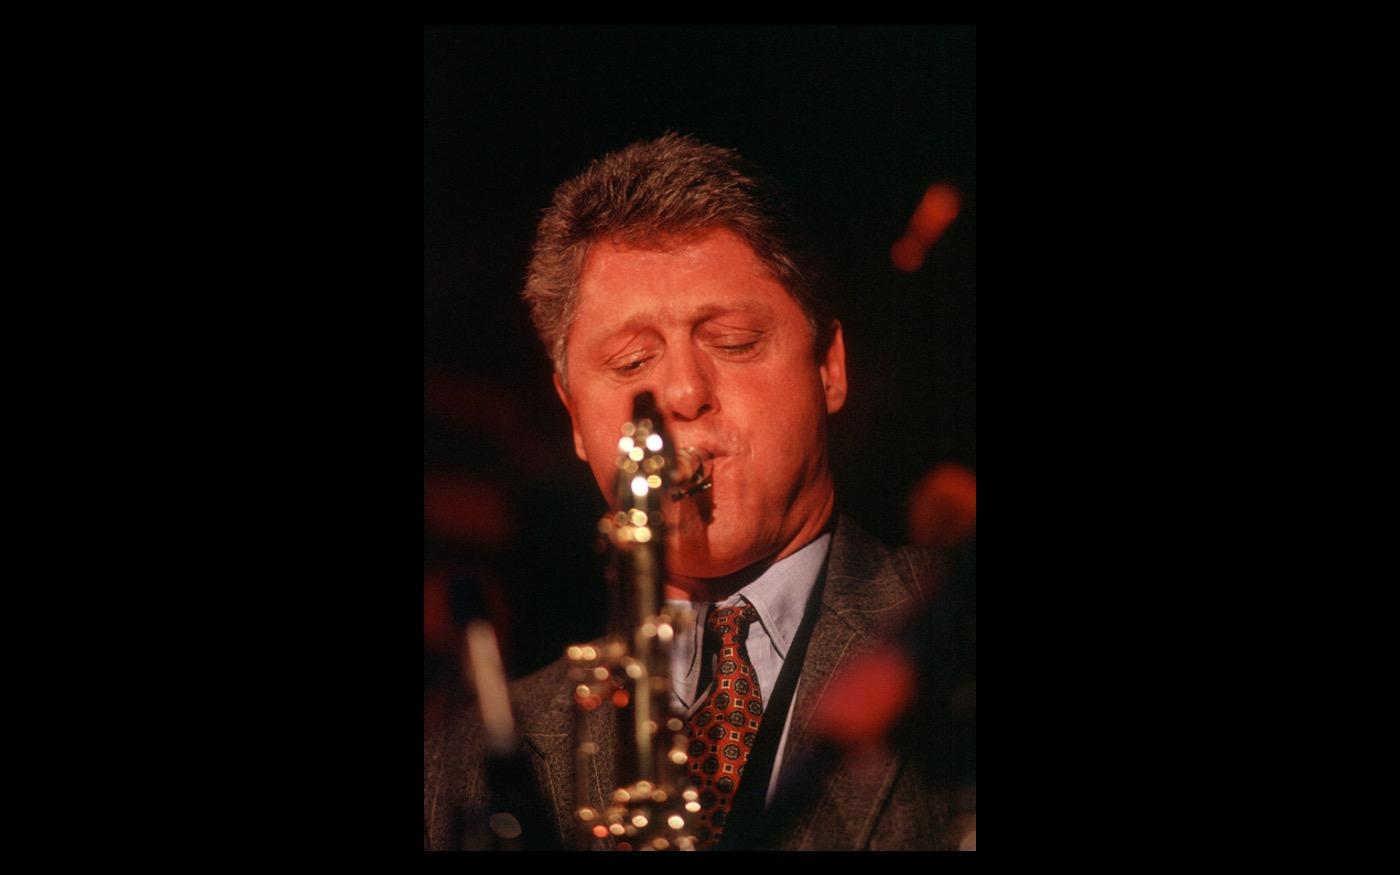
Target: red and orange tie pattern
(723,730)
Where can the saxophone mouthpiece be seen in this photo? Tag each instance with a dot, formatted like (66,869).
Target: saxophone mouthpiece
(692,474)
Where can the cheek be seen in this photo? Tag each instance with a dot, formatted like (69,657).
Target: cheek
(599,426)
(782,404)
(602,454)
(600,418)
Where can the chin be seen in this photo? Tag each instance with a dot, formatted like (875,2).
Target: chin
(711,554)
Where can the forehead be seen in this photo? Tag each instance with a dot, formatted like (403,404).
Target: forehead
(678,279)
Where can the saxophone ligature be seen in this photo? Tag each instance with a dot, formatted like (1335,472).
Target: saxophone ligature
(653,807)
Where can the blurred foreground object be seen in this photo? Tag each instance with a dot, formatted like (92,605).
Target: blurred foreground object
(935,212)
(915,694)
(943,507)
(512,818)
(652,804)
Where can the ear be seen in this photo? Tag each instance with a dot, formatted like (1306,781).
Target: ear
(568,405)
(833,369)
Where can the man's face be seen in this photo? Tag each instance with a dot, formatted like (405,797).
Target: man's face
(729,356)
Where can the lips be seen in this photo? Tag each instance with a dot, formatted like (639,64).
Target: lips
(705,448)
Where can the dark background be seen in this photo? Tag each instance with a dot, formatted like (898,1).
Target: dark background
(856,122)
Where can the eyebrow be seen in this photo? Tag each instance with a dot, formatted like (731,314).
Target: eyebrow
(703,314)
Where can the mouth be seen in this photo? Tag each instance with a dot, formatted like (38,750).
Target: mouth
(694,472)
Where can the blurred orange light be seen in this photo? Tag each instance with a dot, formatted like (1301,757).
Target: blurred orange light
(907,254)
(620,698)
(467,510)
(935,213)
(862,702)
(943,507)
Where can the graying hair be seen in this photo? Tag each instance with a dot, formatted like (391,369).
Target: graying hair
(671,186)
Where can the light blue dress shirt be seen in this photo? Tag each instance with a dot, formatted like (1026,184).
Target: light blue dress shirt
(780,596)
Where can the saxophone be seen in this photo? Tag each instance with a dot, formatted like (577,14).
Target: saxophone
(654,804)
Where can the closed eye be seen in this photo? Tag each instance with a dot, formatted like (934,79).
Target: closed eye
(633,365)
(742,351)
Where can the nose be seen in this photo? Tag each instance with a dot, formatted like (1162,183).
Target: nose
(686,390)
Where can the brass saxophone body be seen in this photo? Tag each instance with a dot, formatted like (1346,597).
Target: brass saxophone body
(653,806)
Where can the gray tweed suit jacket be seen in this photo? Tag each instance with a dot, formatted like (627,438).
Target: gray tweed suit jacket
(874,803)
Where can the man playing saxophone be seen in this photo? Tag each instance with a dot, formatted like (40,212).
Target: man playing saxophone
(666,268)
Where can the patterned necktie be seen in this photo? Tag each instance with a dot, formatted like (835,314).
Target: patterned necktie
(723,730)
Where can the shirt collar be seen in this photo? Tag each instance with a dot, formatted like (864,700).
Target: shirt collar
(780,593)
